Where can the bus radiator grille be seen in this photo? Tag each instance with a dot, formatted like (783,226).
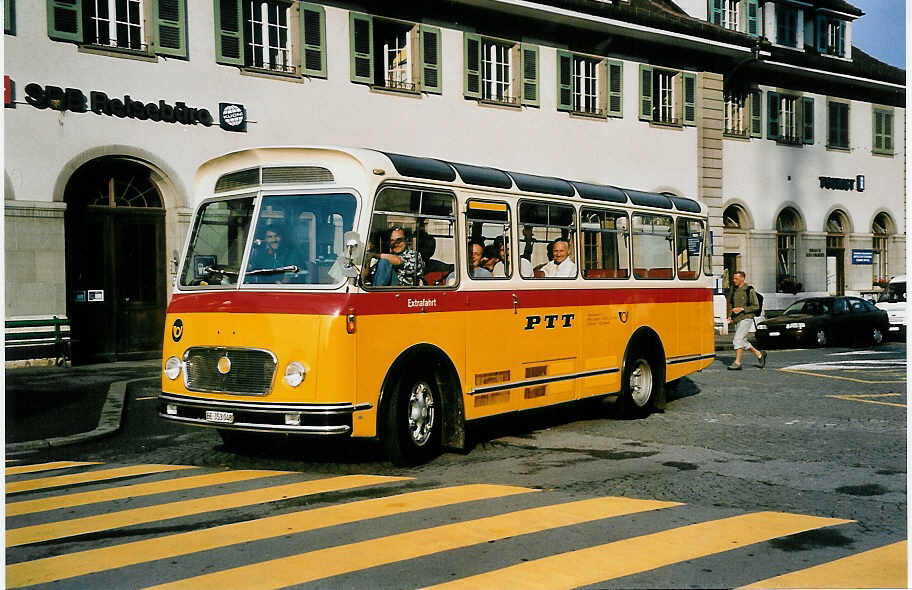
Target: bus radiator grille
(250,371)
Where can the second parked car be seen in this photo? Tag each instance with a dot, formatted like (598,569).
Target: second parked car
(823,321)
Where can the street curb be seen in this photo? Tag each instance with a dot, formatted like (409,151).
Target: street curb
(108,423)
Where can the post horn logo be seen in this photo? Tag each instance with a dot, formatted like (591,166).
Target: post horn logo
(224,365)
(177,330)
(623,315)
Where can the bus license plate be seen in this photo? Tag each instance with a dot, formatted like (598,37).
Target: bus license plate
(220,417)
(774,333)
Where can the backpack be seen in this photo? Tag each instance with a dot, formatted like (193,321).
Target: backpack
(731,295)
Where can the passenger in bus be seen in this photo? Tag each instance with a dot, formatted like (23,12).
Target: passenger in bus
(525,260)
(491,259)
(561,265)
(268,252)
(478,270)
(401,266)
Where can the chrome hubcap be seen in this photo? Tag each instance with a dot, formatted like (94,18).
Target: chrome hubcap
(878,336)
(641,383)
(421,413)
(821,337)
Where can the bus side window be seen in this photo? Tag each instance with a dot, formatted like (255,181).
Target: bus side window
(689,247)
(653,246)
(606,244)
(489,245)
(548,241)
(412,240)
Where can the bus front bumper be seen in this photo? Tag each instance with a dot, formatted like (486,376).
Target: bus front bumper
(287,418)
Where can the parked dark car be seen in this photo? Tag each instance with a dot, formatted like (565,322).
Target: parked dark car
(822,321)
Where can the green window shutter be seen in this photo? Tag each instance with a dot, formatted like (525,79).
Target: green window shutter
(430,60)
(840,40)
(645,93)
(878,130)
(888,132)
(820,25)
(361,36)
(715,12)
(9,17)
(169,27)
(615,71)
(529,56)
(229,32)
(312,20)
(753,18)
(772,115)
(564,80)
(756,113)
(807,120)
(690,99)
(65,20)
(472,78)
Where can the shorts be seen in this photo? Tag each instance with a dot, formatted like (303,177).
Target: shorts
(741,332)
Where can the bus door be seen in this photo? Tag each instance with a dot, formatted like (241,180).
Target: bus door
(692,325)
(605,240)
(653,261)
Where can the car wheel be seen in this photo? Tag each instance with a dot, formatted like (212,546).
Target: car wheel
(877,336)
(413,422)
(820,337)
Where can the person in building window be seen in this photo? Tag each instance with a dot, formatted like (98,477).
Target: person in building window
(401,267)
(269,253)
(560,265)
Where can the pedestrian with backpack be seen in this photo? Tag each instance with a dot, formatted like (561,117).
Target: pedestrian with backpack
(743,306)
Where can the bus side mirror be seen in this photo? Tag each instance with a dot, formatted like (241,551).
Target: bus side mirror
(352,251)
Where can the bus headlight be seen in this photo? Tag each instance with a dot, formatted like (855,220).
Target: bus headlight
(794,326)
(294,373)
(172,368)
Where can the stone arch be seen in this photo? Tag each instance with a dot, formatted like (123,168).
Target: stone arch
(8,193)
(736,216)
(837,221)
(882,219)
(789,219)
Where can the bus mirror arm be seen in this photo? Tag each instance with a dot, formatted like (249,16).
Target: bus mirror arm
(352,251)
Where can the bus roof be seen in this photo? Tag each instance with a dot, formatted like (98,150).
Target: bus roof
(229,171)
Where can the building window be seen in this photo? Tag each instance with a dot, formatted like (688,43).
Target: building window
(831,35)
(115,23)
(397,70)
(500,71)
(667,96)
(730,14)
(883,132)
(735,113)
(787,227)
(786,25)
(395,54)
(881,228)
(838,125)
(268,39)
(589,85)
(736,15)
(790,119)
(9,17)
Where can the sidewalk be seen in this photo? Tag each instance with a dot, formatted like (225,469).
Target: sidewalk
(55,406)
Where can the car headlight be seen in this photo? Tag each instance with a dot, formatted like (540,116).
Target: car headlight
(762,327)
(294,373)
(172,368)
(794,326)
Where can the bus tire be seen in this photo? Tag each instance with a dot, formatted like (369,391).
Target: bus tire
(642,384)
(413,422)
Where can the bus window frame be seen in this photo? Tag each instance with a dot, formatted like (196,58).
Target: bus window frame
(509,224)
(628,233)
(573,228)
(455,219)
(633,248)
(699,272)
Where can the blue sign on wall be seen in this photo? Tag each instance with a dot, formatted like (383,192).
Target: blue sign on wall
(860,256)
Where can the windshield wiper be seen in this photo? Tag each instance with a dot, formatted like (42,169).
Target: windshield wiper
(269,271)
(220,271)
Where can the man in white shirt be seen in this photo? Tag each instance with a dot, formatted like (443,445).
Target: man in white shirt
(561,265)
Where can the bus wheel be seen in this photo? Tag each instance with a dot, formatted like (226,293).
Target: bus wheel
(413,422)
(640,387)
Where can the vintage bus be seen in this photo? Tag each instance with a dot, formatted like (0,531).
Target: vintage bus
(357,293)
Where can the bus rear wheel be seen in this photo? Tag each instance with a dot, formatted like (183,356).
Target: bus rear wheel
(413,422)
(641,385)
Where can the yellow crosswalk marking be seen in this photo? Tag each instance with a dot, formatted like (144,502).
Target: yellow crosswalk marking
(884,567)
(136,490)
(102,522)
(47,466)
(638,554)
(86,562)
(338,560)
(89,476)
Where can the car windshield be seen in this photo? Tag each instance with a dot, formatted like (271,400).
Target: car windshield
(894,293)
(298,238)
(808,306)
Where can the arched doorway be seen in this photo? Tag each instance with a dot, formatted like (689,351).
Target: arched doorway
(837,225)
(115,260)
(788,226)
(735,254)
(882,229)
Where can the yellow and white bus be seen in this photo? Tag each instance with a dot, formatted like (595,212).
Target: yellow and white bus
(352,292)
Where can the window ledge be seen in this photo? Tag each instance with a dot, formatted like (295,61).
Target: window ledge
(837,148)
(270,74)
(795,142)
(137,54)
(598,114)
(410,90)
(513,103)
(883,153)
(735,135)
(667,124)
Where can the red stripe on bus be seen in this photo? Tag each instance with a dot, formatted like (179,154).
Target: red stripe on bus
(424,300)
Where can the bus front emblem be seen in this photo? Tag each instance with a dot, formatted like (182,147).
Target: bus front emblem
(622,315)
(177,330)
(224,365)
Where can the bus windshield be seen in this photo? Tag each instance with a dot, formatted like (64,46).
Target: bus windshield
(894,293)
(296,240)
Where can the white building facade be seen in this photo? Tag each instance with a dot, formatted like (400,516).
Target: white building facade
(112,107)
